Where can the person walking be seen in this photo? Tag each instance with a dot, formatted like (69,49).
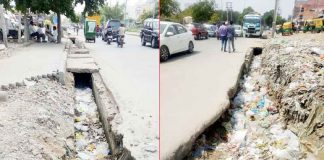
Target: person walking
(230,36)
(223,35)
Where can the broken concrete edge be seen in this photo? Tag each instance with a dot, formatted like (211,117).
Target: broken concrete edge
(59,76)
(108,112)
(186,147)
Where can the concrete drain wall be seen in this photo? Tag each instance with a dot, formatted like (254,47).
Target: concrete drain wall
(86,73)
(201,138)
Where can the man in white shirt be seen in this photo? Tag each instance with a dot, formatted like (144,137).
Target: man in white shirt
(32,31)
(41,33)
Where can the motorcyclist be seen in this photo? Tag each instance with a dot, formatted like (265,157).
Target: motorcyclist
(121,32)
(98,31)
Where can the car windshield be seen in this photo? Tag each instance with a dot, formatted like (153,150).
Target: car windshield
(237,27)
(162,28)
(114,24)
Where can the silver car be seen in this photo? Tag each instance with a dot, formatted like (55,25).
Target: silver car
(238,31)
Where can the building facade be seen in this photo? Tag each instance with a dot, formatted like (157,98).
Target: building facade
(308,9)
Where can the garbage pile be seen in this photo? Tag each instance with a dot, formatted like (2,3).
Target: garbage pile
(295,74)
(254,129)
(90,139)
(278,112)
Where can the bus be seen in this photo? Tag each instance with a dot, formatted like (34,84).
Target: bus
(253,25)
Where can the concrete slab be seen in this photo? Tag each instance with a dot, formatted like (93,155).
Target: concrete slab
(79,56)
(80,51)
(81,65)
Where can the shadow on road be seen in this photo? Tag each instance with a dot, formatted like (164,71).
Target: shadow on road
(181,56)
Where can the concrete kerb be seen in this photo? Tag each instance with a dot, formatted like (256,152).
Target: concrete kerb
(186,147)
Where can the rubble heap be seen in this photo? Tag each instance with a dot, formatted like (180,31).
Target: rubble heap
(37,121)
(295,75)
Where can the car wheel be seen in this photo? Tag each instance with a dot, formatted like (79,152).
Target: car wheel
(143,41)
(164,53)
(191,47)
(153,43)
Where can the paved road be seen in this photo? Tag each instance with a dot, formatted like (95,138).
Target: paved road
(194,91)
(132,74)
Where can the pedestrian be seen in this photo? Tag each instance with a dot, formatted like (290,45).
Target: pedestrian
(32,31)
(77,29)
(230,36)
(223,35)
(41,33)
(55,34)
(49,34)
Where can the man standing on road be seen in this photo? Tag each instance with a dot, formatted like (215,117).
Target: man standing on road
(223,35)
(230,36)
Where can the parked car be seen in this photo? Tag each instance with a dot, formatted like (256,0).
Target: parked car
(11,27)
(175,38)
(211,29)
(198,30)
(150,33)
(114,24)
(238,31)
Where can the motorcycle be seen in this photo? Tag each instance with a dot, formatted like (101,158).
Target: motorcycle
(120,41)
(109,36)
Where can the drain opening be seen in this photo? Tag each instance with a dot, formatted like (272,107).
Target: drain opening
(257,51)
(90,139)
(82,80)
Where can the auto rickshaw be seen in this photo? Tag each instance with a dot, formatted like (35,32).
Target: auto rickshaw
(287,28)
(90,30)
(278,29)
(309,26)
(318,25)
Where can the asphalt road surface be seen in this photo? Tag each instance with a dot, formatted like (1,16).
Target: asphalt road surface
(132,74)
(194,90)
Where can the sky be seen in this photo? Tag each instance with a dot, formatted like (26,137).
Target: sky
(130,8)
(261,6)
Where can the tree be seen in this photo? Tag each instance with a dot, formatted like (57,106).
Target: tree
(91,6)
(202,11)
(215,18)
(245,12)
(112,12)
(268,18)
(169,8)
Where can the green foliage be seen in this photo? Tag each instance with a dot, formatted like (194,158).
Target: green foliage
(202,11)
(112,12)
(216,17)
(91,6)
(268,18)
(245,12)
(169,8)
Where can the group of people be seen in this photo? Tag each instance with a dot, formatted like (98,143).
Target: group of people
(41,33)
(227,35)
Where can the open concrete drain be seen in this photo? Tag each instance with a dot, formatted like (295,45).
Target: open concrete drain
(251,128)
(90,140)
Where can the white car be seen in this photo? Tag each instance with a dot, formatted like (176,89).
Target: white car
(174,38)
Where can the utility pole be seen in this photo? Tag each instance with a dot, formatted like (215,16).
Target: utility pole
(228,7)
(125,11)
(19,27)
(274,18)
(3,26)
